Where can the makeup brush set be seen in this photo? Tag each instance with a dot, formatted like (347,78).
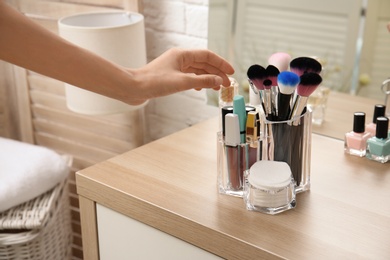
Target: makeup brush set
(283,94)
(275,126)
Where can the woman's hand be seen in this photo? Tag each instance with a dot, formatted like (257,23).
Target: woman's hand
(181,69)
(48,54)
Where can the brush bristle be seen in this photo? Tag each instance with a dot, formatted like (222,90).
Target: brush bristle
(272,74)
(304,65)
(287,82)
(257,74)
(272,71)
(308,84)
(280,60)
(267,84)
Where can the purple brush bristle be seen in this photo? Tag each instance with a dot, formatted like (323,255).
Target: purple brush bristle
(272,74)
(267,84)
(304,65)
(308,84)
(257,74)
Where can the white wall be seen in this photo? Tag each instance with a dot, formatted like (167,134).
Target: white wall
(176,23)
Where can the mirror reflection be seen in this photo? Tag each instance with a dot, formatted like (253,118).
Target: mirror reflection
(349,38)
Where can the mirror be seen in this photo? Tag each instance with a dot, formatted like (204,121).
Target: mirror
(349,37)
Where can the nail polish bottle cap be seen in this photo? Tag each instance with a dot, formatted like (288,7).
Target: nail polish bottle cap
(382,125)
(379,110)
(359,120)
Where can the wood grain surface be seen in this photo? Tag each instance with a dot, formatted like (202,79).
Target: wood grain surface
(171,184)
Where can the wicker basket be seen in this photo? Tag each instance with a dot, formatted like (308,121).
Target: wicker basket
(39,228)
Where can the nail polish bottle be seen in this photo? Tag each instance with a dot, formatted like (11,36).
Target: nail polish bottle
(226,94)
(378,147)
(225,100)
(355,142)
(379,110)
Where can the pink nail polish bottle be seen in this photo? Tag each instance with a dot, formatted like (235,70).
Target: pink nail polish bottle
(356,141)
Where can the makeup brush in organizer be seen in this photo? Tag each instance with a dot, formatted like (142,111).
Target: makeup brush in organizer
(308,69)
(280,60)
(286,141)
(307,85)
(302,65)
(277,91)
(272,75)
(287,83)
(256,76)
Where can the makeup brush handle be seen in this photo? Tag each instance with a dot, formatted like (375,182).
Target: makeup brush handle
(275,103)
(254,89)
(284,106)
(299,105)
(268,101)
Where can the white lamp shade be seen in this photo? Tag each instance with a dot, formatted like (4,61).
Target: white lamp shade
(116,36)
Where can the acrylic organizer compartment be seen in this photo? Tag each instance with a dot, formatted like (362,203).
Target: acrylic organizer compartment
(290,141)
(233,161)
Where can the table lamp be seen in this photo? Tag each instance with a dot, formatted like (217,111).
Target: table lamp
(118,36)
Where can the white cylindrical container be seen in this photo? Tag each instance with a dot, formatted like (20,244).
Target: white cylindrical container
(116,36)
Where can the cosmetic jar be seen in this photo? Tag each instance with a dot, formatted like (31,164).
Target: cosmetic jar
(269,187)
(290,142)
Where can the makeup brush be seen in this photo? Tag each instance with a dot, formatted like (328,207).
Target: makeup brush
(304,65)
(267,98)
(280,60)
(256,76)
(307,85)
(272,74)
(287,82)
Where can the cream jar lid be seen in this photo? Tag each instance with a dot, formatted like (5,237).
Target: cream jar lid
(269,175)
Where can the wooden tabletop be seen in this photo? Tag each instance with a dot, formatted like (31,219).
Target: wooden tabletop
(339,113)
(171,184)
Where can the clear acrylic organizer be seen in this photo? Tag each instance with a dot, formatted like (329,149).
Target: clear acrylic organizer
(290,141)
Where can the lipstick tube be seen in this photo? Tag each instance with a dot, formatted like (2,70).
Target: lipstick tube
(233,156)
(252,137)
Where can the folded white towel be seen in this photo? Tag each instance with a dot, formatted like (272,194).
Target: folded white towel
(27,171)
